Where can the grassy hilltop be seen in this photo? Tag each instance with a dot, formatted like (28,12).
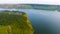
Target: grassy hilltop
(14,22)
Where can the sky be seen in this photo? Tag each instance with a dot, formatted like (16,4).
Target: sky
(55,2)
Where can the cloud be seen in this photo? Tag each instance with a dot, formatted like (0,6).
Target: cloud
(56,2)
(9,1)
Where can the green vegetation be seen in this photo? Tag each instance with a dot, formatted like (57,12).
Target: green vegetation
(31,6)
(44,7)
(14,22)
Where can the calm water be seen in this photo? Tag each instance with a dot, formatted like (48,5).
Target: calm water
(43,21)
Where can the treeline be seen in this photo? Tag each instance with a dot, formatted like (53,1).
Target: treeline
(44,7)
(31,6)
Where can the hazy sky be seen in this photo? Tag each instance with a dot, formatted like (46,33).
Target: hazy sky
(56,2)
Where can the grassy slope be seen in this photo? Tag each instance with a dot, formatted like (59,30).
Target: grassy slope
(14,23)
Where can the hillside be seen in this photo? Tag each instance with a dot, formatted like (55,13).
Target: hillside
(31,6)
(16,6)
(14,22)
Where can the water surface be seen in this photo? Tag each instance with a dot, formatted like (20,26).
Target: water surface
(43,21)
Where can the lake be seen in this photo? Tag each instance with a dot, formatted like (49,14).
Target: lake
(43,21)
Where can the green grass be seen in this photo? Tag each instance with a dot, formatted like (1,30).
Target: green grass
(13,23)
(3,29)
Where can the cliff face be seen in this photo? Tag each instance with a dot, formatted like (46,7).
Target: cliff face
(14,6)
(15,23)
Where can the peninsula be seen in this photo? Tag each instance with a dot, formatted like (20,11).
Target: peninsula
(15,22)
